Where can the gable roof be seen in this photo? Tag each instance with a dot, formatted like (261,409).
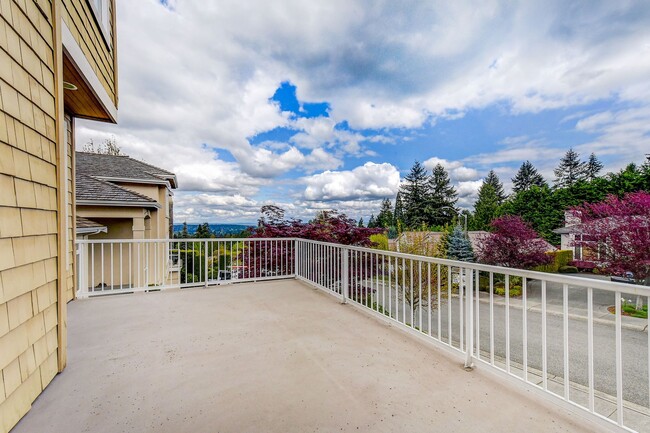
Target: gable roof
(92,191)
(122,167)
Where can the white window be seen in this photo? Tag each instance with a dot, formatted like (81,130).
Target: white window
(100,9)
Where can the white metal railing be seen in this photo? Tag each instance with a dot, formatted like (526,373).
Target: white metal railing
(550,333)
(556,337)
(136,265)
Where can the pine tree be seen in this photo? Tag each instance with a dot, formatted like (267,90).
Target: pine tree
(526,177)
(372,223)
(398,215)
(415,194)
(570,170)
(360,224)
(441,205)
(385,217)
(203,231)
(593,167)
(458,246)
(485,207)
(184,232)
(493,180)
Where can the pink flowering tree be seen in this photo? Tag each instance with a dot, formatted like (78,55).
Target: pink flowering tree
(617,233)
(513,243)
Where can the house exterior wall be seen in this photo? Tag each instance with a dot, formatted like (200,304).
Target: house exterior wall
(98,49)
(36,263)
(28,207)
(161,218)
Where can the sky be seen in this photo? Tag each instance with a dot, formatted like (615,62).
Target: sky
(327,104)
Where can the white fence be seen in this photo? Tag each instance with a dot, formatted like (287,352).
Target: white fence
(552,334)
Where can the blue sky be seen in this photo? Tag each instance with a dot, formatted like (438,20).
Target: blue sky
(321,105)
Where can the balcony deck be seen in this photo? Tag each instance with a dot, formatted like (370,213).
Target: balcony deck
(267,357)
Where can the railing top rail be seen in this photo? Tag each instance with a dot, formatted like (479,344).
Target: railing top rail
(139,241)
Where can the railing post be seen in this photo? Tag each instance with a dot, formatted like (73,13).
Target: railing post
(205,253)
(295,258)
(468,282)
(345,266)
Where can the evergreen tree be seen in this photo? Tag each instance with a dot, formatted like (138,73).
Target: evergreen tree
(398,215)
(203,231)
(385,217)
(372,223)
(486,207)
(570,170)
(360,224)
(415,194)
(458,246)
(593,167)
(526,177)
(184,234)
(441,205)
(493,180)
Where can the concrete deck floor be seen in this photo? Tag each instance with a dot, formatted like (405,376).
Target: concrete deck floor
(267,357)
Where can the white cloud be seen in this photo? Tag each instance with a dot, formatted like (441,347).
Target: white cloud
(197,76)
(369,181)
(457,171)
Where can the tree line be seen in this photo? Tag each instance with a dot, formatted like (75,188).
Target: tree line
(428,200)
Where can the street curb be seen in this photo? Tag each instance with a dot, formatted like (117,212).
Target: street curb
(629,326)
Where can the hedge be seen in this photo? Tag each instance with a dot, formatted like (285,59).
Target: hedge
(561,258)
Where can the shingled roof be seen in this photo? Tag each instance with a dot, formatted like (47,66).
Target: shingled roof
(122,167)
(91,191)
(86,227)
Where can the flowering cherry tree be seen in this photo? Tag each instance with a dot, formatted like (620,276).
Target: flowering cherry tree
(514,244)
(617,231)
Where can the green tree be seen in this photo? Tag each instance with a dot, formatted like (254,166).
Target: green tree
(203,231)
(415,195)
(385,217)
(526,177)
(398,215)
(592,167)
(458,246)
(493,180)
(538,207)
(441,205)
(570,170)
(184,234)
(372,223)
(486,206)
(360,224)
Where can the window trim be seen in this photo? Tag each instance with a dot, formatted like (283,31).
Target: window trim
(103,28)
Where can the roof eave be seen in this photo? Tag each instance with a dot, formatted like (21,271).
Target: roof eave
(118,203)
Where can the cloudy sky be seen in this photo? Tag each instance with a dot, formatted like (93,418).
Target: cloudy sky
(326,104)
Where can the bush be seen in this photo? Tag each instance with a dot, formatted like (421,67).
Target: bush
(560,258)
(500,289)
(379,242)
(568,270)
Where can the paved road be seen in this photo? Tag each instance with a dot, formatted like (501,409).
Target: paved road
(634,342)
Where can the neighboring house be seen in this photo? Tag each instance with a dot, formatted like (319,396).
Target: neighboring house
(426,242)
(58,62)
(132,200)
(569,234)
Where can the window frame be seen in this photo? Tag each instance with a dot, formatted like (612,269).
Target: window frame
(102,18)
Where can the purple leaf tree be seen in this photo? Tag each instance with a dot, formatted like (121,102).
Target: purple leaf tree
(513,244)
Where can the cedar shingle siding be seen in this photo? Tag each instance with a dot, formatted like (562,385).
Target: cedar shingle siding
(33,284)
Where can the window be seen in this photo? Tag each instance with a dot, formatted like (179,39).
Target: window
(100,9)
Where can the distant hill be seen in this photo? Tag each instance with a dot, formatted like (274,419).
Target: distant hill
(219,229)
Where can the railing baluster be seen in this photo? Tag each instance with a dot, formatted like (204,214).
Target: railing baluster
(619,361)
(507,288)
(590,346)
(544,360)
(492,318)
(524,321)
(565,329)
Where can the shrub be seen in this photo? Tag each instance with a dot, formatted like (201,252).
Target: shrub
(560,258)
(568,270)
